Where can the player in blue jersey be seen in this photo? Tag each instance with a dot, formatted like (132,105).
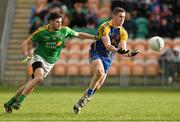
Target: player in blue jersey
(112,39)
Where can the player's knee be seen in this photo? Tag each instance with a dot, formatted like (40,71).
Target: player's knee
(39,74)
(99,74)
(39,78)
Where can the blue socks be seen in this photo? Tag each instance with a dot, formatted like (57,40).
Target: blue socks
(90,92)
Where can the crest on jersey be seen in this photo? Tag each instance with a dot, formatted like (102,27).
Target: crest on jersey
(115,39)
(54,38)
(58,43)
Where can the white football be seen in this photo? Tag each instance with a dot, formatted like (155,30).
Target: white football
(156,43)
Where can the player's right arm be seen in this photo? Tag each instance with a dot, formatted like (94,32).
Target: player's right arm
(107,43)
(25,46)
(35,37)
(104,34)
(25,50)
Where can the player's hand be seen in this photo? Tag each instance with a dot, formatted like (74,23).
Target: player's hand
(122,51)
(133,53)
(25,59)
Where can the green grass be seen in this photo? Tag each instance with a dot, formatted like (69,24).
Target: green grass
(109,104)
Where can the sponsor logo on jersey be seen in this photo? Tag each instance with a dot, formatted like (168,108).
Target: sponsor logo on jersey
(58,43)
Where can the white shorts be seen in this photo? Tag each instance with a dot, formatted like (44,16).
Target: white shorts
(46,66)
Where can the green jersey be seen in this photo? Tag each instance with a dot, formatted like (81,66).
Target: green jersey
(50,44)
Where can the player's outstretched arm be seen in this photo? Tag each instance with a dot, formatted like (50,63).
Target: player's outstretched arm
(25,46)
(25,50)
(86,35)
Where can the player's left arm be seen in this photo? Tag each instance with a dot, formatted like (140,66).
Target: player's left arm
(85,35)
(82,35)
(131,53)
(123,44)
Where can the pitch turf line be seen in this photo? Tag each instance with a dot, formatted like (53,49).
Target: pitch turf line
(110,104)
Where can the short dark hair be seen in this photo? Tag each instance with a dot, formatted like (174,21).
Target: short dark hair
(117,10)
(54,16)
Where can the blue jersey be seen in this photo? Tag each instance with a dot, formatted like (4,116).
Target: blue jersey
(116,35)
(98,50)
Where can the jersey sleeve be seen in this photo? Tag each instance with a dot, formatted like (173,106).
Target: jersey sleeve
(35,37)
(104,29)
(70,32)
(123,34)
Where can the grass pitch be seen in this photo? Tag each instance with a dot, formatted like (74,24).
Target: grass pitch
(109,104)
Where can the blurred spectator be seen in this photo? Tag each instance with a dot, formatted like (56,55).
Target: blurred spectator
(78,18)
(153,26)
(167,64)
(38,12)
(176,52)
(59,4)
(91,24)
(143,8)
(165,28)
(54,3)
(131,5)
(92,10)
(52,9)
(40,9)
(104,12)
(141,27)
(35,24)
(153,6)
(166,13)
(118,3)
(159,17)
(177,26)
(129,25)
(175,7)
(66,20)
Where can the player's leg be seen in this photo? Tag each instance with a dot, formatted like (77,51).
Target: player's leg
(106,63)
(10,102)
(101,82)
(19,91)
(41,68)
(98,75)
(38,77)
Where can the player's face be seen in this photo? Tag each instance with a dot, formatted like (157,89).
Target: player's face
(57,24)
(119,18)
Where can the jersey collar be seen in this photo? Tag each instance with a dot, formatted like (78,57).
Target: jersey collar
(110,23)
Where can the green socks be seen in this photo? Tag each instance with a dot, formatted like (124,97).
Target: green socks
(11,101)
(21,98)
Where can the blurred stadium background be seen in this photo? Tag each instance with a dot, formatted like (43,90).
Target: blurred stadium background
(145,18)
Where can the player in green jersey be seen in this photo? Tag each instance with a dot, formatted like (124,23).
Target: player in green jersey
(50,40)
